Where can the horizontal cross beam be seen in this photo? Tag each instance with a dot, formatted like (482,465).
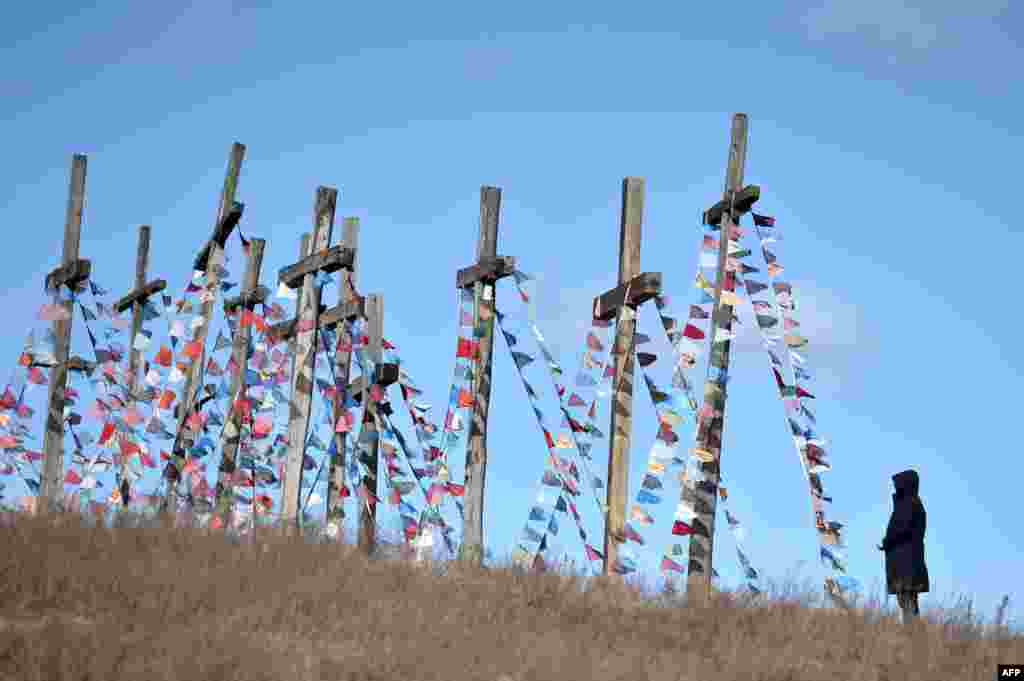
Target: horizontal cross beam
(634,292)
(220,235)
(75,363)
(329,260)
(140,295)
(742,203)
(328,317)
(247,300)
(384,374)
(490,269)
(70,275)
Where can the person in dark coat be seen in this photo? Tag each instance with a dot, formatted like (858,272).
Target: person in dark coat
(906,574)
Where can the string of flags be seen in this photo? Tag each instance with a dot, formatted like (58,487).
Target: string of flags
(778,321)
(560,473)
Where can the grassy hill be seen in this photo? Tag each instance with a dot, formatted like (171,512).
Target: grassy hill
(154,604)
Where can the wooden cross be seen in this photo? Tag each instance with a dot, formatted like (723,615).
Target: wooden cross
(209,260)
(481,276)
(317,257)
(136,300)
(736,200)
(350,307)
(71,273)
(250,295)
(634,288)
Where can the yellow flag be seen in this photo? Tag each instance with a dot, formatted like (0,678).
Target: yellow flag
(794,341)
(731,299)
(703,454)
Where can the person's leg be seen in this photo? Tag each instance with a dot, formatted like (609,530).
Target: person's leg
(908,604)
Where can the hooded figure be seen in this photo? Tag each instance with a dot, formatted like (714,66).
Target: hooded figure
(905,570)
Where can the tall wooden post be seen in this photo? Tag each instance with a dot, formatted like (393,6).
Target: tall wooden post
(623,352)
(342,376)
(304,365)
(136,300)
(709,430)
(247,299)
(210,259)
(375,351)
(472,549)
(52,483)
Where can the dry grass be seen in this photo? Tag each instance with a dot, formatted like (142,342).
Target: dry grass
(95,604)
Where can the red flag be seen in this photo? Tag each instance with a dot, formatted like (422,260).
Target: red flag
(467,349)
(72,478)
(693,332)
(778,379)
(128,448)
(108,431)
(166,399)
(193,349)
(800,392)
(164,356)
(681,529)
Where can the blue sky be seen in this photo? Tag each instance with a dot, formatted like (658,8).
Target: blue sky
(882,134)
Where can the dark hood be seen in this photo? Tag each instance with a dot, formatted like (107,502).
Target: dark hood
(906,483)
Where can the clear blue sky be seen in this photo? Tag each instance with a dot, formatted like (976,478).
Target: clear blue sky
(883,136)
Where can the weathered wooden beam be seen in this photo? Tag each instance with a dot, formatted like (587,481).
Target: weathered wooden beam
(304,367)
(221,231)
(367,538)
(328,260)
(82,366)
(636,291)
(329,317)
(472,550)
(623,353)
(209,260)
(51,482)
(136,301)
(709,430)
(489,269)
(224,493)
(68,274)
(248,299)
(342,372)
(140,295)
(744,201)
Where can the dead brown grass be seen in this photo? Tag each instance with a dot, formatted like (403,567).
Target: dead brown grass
(157,604)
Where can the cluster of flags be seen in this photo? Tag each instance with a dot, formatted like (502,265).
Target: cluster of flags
(115,436)
(567,469)
(787,349)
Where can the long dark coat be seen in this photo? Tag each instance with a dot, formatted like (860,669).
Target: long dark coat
(905,569)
